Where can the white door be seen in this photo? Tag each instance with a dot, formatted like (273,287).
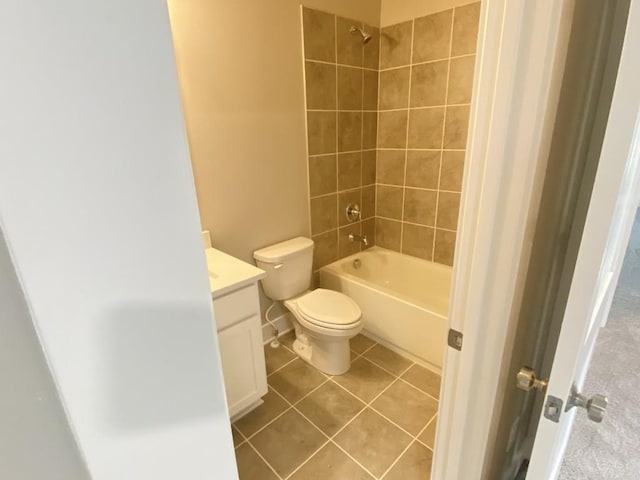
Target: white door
(608,224)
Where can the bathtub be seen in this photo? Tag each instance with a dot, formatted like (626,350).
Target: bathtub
(404,300)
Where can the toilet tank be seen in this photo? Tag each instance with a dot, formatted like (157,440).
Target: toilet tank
(288,265)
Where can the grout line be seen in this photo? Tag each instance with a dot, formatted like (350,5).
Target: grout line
(398,458)
(428,61)
(414,150)
(331,439)
(444,123)
(433,419)
(427,107)
(416,388)
(284,365)
(416,188)
(350,66)
(264,460)
(406,138)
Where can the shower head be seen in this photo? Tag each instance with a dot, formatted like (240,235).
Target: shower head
(365,36)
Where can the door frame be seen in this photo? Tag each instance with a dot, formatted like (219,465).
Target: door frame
(522,47)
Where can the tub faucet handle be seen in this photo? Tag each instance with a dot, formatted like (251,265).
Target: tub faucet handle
(359,238)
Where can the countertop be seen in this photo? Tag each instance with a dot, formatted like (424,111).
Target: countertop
(227,273)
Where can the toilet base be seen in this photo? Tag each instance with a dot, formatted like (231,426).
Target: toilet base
(330,356)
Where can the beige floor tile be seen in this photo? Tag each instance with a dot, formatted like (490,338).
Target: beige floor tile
(360,343)
(288,442)
(237,437)
(252,422)
(428,437)
(296,380)
(373,441)
(424,379)
(406,406)
(251,466)
(415,464)
(330,463)
(330,407)
(277,357)
(364,379)
(388,359)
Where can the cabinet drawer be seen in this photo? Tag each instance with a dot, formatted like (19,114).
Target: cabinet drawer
(236,306)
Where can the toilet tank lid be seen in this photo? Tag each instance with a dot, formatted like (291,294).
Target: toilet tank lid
(280,251)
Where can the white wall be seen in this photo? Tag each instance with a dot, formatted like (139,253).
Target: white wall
(240,68)
(394,11)
(99,211)
(33,424)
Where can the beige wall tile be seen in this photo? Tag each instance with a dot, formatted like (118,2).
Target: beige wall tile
(423,169)
(445,247)
(349,88)
(322,175)
(418,241)
(321,85)
(392,129)
(369,231)
(319,35)
(369,129)
(344,199)
(369,167)
(368,205)
(326,249)
(321,128)
(324,211)
(448,207)
(372,48)
(390,167)
(349,131)
(456,127)
(465,29)
(461,80)
(432,36)
(349,170)
(350,46)
(394,88)
(388,233)
(389,202)
(429,84)
(452,171)
(425,127)
(370,92)
(420,206)
(395,45)
(345,247)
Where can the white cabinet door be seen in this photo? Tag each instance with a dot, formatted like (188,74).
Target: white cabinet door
(243,363)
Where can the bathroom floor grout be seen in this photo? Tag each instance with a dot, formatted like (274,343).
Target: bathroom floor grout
(247,471)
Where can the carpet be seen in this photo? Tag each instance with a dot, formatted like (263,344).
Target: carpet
(611,450)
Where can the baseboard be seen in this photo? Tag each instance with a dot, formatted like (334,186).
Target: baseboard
(283,323)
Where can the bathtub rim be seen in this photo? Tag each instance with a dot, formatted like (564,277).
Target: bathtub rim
(332,269)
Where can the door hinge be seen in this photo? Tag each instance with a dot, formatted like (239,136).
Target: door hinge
(455,339)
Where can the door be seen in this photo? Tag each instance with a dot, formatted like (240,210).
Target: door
(610,208)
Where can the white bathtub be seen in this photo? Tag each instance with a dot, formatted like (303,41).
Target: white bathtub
(404,300)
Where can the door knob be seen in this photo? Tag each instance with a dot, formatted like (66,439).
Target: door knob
(527,380)
(596,406)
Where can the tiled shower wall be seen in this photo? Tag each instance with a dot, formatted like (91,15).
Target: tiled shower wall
(397,150)
(341,76)
(426,76)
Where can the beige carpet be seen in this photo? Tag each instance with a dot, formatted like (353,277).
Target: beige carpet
(611,450)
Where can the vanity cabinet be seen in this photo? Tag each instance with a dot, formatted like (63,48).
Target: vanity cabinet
(241,348)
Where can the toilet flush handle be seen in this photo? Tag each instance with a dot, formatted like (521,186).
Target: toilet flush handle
(278,266)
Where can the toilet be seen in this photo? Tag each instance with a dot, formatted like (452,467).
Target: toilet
(325,320)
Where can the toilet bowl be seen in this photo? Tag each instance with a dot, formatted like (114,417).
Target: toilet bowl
(325,320)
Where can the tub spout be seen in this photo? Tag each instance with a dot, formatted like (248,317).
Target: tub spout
(359,238)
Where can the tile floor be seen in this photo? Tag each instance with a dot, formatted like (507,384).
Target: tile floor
(375,422)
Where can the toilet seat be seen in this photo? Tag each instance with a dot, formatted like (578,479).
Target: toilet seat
(329,309)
